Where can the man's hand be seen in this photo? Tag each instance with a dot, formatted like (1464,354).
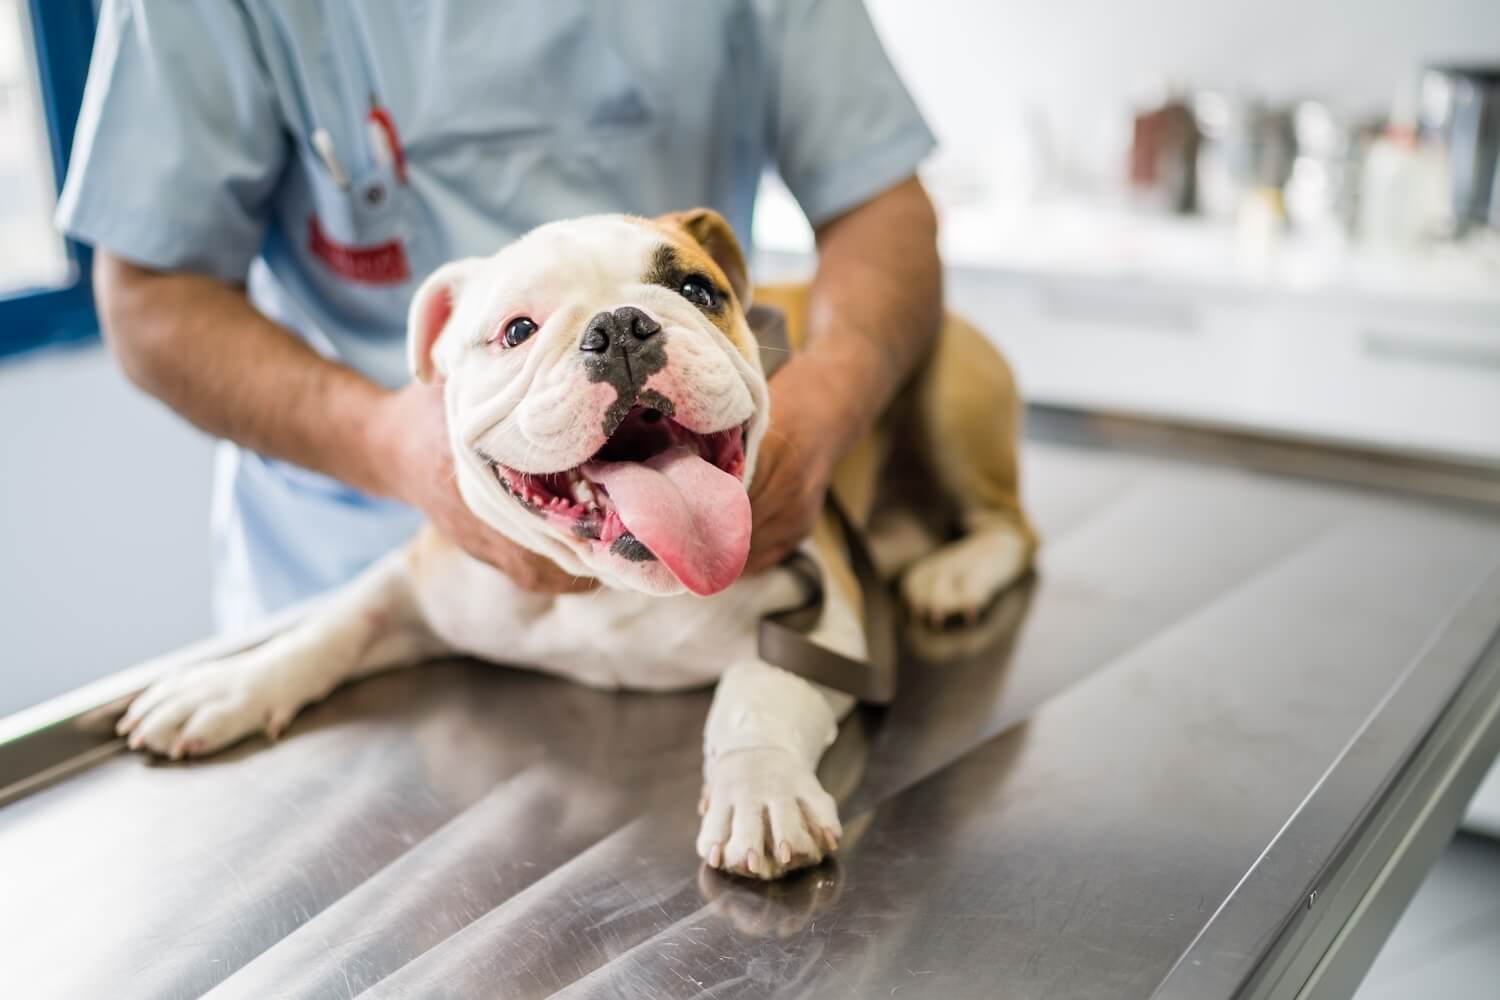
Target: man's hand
(412,429)
(792,472)
(873,313)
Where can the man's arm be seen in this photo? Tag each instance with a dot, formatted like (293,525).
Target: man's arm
(874,311)
(199,346)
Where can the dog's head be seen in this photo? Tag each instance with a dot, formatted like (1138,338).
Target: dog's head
(604,395)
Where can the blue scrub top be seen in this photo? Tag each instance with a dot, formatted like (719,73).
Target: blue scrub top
(198,149)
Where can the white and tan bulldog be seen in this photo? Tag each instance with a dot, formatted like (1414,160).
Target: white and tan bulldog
(605,404)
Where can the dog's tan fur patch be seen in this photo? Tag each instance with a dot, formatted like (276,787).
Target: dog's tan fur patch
(702,241)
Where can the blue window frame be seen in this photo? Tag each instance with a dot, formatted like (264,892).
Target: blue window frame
(64,31)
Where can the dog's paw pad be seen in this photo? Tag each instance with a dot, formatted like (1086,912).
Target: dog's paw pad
(765,815)
(953,586)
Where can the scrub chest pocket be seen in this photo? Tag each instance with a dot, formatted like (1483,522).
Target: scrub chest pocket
(367,232)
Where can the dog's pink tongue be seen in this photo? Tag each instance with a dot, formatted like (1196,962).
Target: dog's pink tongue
(692,515)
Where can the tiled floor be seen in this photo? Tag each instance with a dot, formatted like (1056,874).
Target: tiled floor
(1447,946)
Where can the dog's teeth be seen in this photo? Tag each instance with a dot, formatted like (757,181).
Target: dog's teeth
(583,492)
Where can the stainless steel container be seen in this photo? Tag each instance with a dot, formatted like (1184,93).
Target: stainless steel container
(1247,146)
(1460,107)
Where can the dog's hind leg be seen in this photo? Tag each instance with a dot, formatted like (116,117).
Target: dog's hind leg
(970,414)
(372,624)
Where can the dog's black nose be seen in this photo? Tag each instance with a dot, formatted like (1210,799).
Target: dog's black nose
(607,326)
(640,326)
(596,335)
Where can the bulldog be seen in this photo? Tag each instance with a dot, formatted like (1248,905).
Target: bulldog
(606,401)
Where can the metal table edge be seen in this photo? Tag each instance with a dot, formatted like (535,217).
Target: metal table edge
(1403,846)
(1291,911)
(63,735)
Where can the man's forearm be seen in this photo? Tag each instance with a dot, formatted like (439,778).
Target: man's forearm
(199,346)
(874,310)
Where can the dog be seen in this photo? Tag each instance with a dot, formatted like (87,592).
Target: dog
(606,402)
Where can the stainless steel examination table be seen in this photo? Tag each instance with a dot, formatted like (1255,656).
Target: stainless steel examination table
(1209,751)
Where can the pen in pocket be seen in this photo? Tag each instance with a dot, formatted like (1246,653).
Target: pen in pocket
(322,142)
(385,140)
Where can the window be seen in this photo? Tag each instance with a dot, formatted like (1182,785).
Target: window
(44,288)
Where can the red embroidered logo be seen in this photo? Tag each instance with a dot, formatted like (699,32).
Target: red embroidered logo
(381,264)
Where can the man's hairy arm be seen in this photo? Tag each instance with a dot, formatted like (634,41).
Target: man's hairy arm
(199,346)
(874,312)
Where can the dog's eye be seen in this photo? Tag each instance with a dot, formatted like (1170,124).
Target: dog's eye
(518,330)
(699,292)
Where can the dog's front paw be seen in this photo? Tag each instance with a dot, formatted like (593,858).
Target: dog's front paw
(765,814)
(207,708)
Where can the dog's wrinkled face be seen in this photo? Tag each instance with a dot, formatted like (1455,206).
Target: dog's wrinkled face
(604,395)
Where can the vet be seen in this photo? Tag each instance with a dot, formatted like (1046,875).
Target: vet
(266,183)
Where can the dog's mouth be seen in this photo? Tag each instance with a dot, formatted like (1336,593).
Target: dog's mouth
(655,490)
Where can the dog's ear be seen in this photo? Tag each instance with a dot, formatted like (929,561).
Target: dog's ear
(712,232)
(431,308)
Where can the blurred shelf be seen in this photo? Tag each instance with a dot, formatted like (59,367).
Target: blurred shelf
(1099,240)
(1170,319)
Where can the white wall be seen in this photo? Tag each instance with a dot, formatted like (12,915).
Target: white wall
(104,541)
(1079,62)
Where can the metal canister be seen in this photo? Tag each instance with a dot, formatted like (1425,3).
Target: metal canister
(1460,107)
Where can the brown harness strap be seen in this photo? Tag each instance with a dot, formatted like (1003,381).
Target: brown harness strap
(783,640)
